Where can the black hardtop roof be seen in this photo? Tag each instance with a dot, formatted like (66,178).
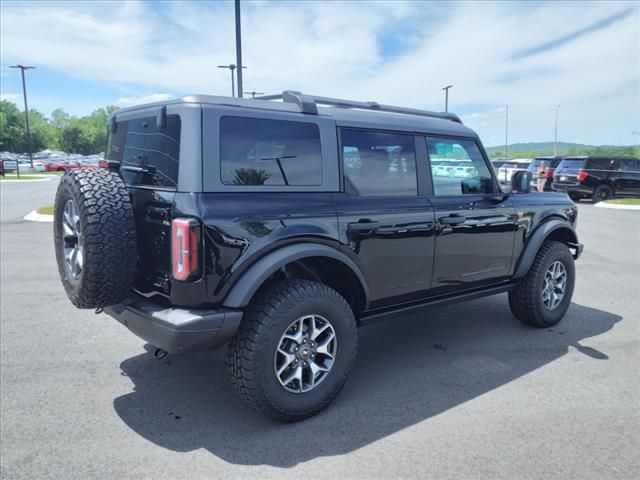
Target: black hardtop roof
(344,112)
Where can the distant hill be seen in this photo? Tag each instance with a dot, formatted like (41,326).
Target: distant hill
(537,149)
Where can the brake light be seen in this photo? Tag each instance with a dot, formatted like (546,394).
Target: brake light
(582,175)
(548,172)
(185,244)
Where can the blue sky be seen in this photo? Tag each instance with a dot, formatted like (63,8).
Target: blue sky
(583,56)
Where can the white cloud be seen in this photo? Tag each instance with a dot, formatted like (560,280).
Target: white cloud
(334,48)
(11,97)
(154,97)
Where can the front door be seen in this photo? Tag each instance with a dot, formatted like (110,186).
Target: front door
(475,221)
(385,226)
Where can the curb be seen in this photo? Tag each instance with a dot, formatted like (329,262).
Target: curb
(37,217)
(616,206)
(35,180)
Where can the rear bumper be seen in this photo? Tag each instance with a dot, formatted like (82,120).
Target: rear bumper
(175,330)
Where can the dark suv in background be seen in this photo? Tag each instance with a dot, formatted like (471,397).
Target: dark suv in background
(599,178)
(549,164)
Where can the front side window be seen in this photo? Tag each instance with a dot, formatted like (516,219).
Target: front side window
(458,167)
(379,163)
(256,151)
(148,154)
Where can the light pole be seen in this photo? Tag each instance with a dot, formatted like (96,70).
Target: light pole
(253,94)
(232,67)
(506,132)
(555,142)
(26,110)
(238,49)
(446,97)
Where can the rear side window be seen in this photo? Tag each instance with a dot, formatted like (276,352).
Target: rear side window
(601,164)
(256,151)
(460,168)
(148,155)
(379,163)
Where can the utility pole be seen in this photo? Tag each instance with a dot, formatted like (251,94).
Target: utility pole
(446,97)
(555,142)
(26,111)
(506,132)
(232,67)
(239,49)
(253,94)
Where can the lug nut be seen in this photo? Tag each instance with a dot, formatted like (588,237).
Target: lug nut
(304,340)
(296,361)
(297,348)
(304,364)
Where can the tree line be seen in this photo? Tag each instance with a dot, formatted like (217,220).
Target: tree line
(85,135)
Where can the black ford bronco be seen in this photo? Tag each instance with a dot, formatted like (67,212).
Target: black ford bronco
(279,225)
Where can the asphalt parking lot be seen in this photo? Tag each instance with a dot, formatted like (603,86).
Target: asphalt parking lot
(458,392)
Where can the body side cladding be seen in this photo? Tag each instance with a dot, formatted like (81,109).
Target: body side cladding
(251,280)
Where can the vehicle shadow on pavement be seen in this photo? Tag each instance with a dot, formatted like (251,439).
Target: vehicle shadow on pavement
(408,371)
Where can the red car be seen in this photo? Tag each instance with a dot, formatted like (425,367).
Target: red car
(61,166)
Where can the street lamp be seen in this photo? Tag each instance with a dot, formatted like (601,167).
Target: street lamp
(555,142)
(26,108)
(506,132)
(232,67)
(446,97)
(253,94)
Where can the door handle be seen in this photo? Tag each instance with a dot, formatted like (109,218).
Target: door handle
(452,220)
(363,226)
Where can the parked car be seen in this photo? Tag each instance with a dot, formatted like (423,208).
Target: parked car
(62,166)
(498,163)
(506,171)
(279,228)
(599,178)
(549,165)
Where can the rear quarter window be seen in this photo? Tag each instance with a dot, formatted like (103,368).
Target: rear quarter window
(148,154)
(257,151)
(600,164)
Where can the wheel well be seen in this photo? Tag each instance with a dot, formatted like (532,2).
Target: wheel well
(563,235)
(329,271)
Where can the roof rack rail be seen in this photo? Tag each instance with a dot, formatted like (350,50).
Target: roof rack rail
(309,104)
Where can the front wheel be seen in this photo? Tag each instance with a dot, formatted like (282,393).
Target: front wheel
(294,350)
(543,295)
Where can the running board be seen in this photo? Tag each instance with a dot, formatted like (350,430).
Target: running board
(385,314)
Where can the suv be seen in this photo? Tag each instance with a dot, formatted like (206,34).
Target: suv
(278,228)
(544,166)
(600,178)
(510,167)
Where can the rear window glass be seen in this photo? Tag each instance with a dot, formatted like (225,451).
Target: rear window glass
(148,155)
(571,164)
(255,151)
(548,163)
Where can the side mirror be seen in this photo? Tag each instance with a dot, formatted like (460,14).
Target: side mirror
(521,181)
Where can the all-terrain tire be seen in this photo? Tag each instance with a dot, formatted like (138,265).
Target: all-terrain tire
(526,300)
(251,352)
(105,231)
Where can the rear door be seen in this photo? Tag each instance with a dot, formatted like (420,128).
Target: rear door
(475,221)
(384,224)
(627,177)
(147,152)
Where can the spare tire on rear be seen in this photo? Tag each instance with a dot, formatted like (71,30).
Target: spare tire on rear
(95,237)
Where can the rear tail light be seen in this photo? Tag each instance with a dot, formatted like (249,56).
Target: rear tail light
(185,246)
(582,176)
(548,172)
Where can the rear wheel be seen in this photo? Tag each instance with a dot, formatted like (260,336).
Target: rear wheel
(602,193)
(543,295)
(294,350)
(575,196)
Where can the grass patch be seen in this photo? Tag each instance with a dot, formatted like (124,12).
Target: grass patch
(624,201)
(45,210)
(23,176)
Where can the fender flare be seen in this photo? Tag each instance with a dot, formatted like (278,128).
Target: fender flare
(536,240)
(251,280)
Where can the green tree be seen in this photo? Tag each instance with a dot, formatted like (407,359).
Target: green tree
(11,128)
